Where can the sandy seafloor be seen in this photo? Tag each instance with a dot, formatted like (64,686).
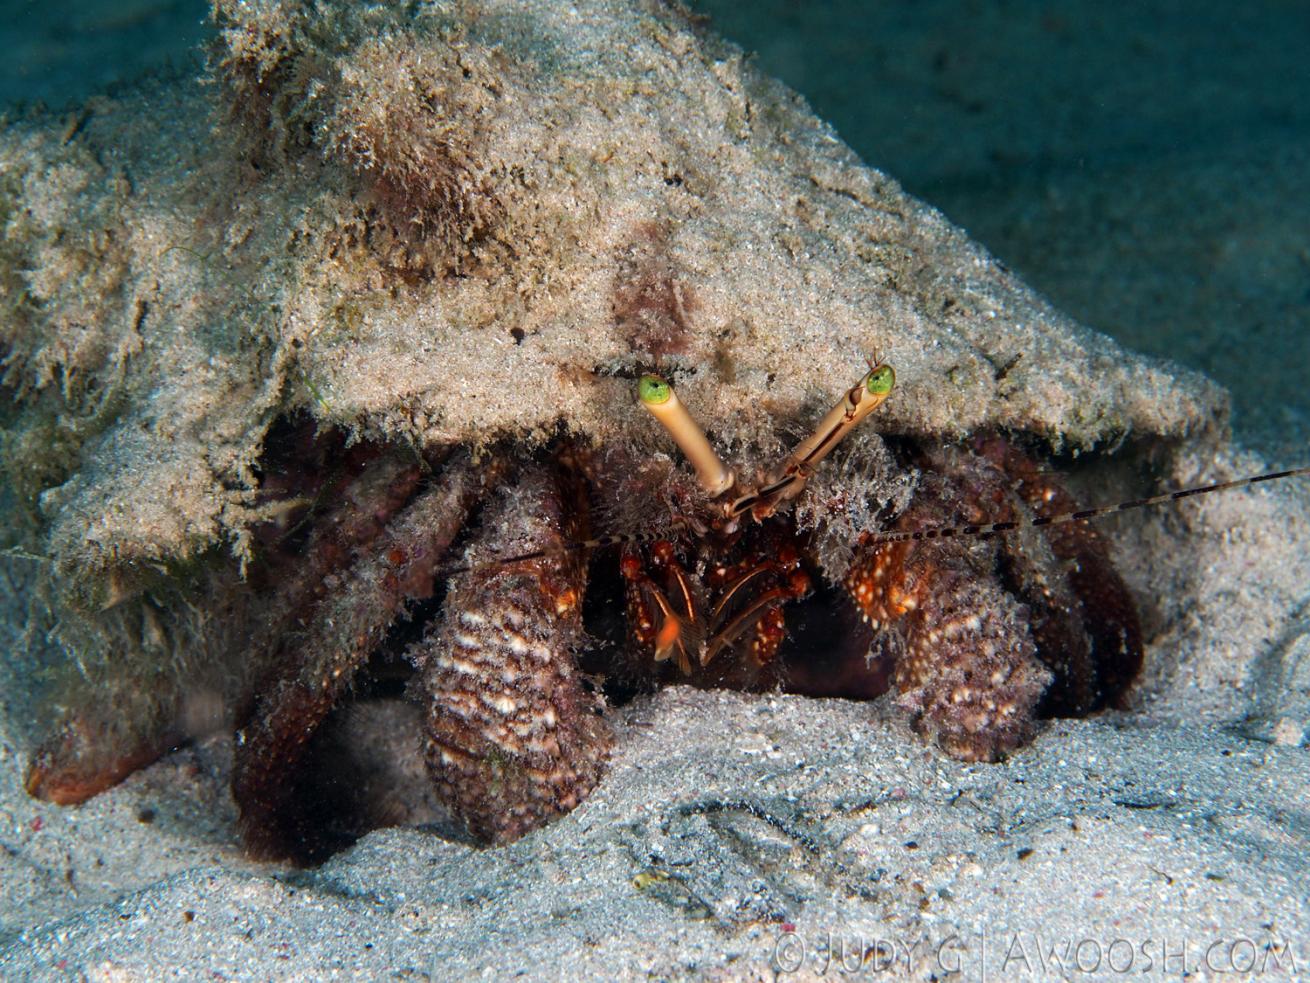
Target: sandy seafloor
(1147,170)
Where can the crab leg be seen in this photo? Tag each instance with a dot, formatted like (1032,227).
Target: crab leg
(679,634)
(514,737)
(729,633)
(347,626)
(969,671)
(98,744)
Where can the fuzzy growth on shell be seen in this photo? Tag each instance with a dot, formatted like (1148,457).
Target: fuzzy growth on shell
(654,302)
(420,148)
(405,105)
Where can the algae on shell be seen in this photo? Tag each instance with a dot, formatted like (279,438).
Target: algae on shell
(461,222)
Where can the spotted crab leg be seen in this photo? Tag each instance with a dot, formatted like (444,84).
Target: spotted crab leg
(969,673)
(347,627)
(679,632)
(514,738)
(1085,623)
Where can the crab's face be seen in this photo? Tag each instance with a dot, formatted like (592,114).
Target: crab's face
(694,571)
(708,593)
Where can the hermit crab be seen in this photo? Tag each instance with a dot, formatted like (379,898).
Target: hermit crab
(592,571)
(509,669)
(271,473)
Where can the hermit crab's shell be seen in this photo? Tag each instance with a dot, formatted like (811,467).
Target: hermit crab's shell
(438,231)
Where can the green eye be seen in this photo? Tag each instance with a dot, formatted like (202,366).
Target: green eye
(879,382)
(652,389)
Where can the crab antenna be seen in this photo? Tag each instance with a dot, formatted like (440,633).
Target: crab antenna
(658,396)
(990,528)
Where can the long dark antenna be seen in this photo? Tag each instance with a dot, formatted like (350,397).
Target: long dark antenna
(986,529)
(933,532)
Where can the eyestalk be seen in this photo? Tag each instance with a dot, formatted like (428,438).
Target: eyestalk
(789,480)
(658,397)
(859,401)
